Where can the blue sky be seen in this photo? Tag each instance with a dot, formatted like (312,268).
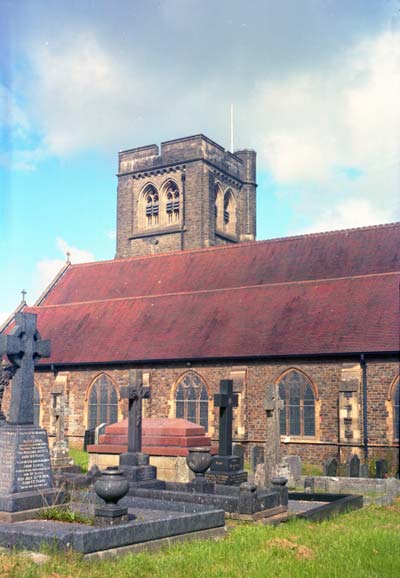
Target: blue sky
(315,87)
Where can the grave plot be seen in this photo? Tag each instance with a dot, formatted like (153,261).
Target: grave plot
(27,481)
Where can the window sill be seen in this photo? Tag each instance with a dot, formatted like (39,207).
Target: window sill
(226,236)
(299,440)
(158,231)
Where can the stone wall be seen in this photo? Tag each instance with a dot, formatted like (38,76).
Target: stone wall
(250,421)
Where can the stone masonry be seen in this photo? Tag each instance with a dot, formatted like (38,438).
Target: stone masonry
(195,165)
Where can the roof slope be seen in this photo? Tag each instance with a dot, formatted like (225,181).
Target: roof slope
(319,256)
(317,317)
(316,294)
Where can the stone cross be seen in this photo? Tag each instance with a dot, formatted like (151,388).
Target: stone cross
(273,404)
(24,348)
(135,393)
(226,400)
(58,416)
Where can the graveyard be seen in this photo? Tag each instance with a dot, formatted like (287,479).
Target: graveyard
(125,510)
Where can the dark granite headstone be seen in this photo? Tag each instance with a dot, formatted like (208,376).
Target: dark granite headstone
(331,467)
(26,479)
(381,468)
(353,466)
(226,468)
(89,438)
(135,464)
(238,451)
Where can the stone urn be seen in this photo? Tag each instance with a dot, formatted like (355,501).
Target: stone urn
(111,486)
(199,460)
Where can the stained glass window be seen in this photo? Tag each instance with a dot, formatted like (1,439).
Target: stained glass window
(191,399)
(297,418)
(103,402)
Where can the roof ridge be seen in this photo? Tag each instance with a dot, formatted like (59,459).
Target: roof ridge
(217,290)
(239,245)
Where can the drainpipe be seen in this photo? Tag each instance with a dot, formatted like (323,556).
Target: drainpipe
(183,177)
(363,364)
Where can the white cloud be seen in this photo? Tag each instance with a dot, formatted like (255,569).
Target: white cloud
(314,126)
(111,235)
(83,96)
(47,269)
(354,212)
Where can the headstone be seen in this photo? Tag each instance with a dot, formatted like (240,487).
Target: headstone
(88,438)
(381,468)
(225,468)
(238,451)
(331,467)
(294,466)
(60,458)
(309,485)
(6,373)
(353,466)
(26,479)
(135,464)
(256,457)
(273,455)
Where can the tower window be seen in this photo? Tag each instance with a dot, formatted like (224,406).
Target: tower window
(172,206)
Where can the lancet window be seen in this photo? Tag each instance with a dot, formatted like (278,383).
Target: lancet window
(102,402)
(173,204)
(297,418)
(191,399)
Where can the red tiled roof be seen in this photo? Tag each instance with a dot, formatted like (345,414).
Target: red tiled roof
(358,314)
(318,256)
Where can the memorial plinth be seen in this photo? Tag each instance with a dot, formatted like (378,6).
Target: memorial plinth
(167,441)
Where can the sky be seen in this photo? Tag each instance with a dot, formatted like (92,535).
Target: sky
(315,89)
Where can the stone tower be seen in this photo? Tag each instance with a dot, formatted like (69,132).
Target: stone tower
(191,194)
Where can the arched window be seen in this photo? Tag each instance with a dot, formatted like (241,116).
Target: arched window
(103,402)
(151,206)
(36,406)
(229,216)
(191,399)
(396,410)
(172,205)
(219,197)
(297,418)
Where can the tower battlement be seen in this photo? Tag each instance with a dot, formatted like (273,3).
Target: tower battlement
(186,193)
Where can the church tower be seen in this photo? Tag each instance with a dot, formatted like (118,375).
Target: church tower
(190,194)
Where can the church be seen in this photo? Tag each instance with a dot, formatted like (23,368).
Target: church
(192,298)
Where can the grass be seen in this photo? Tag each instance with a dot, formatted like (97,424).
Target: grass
(80,458)
(65,514)
(359,544)
(308,469)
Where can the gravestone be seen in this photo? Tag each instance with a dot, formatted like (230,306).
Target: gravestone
(381,468)
(89,438)
(353,466)
(135,464)
(238,451)
(294,466)
(60,458)
(273,455)
(6,373)
(26,479)
(225,468)
(256,457)
(331,467)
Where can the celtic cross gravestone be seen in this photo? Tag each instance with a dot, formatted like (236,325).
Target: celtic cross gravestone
(26,481)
